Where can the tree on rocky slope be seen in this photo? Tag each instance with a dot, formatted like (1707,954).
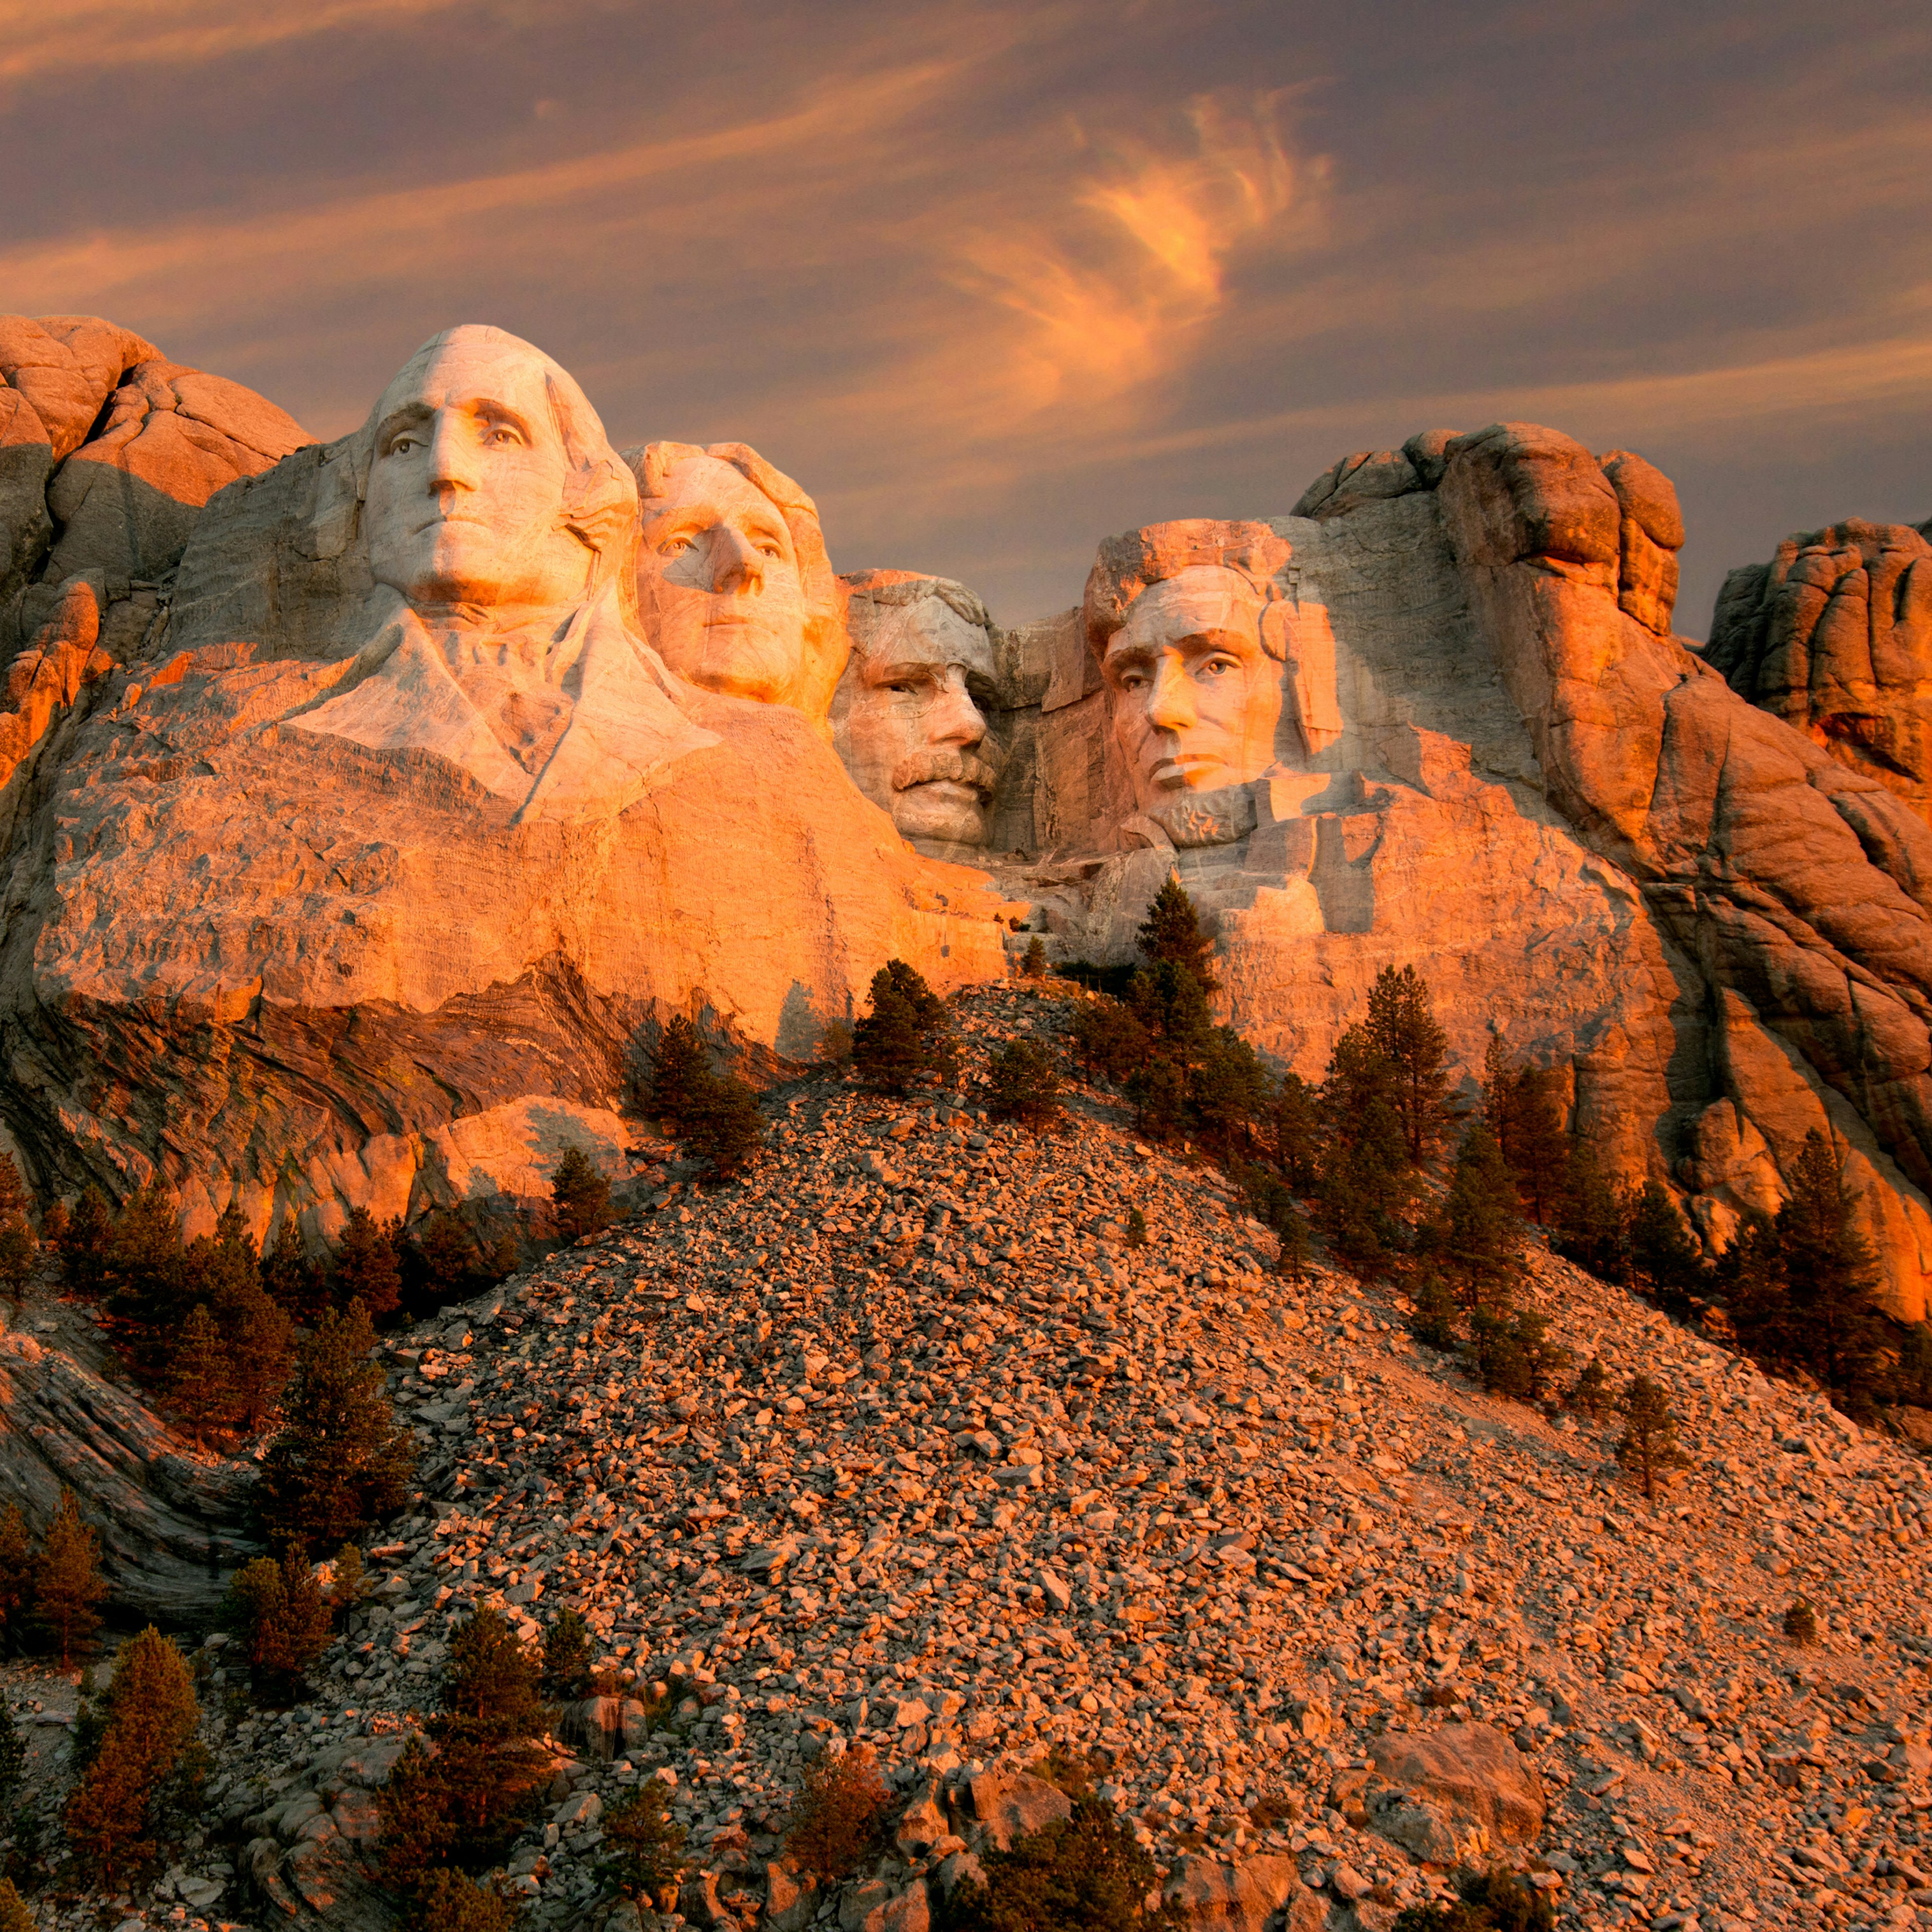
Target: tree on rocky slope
(580,1194)
(1401,1026)
(19,1250)
(907,1037)
(680,1070)
(67,1586)
(146,1763)
(365,1266)
(16,1581)
(1025,1085)
(1649,1447)
(341,1461)
(281,1618)
(1172,934)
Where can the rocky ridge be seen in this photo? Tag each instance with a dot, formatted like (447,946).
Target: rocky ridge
(897,1443)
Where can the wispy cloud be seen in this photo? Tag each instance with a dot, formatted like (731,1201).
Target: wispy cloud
(97,35)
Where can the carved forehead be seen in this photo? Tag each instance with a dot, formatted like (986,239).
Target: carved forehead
(928,632)
(1203,598)
(467,366)
(706,483)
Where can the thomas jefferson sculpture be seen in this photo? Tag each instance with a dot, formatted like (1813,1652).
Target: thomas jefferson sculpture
(733,583)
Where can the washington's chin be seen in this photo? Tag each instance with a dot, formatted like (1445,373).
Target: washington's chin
(471,564)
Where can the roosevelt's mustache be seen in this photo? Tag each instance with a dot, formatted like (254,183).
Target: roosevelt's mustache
(918,768)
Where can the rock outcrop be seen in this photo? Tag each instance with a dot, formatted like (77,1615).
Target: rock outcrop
(1835,636)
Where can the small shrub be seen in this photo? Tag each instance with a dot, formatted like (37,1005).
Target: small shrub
(13,1754)
(724,1125)
(1084,1873)
(1025,1085)
(1492,1901)
(1590,1393)
(1648,1448)
(581,1194)
(642,1845)
(566,1656)
(20,1252)
(1137,1229)
(1800,1624)
(447,1901)
(836,1815)
(278,1612)
(17,1577)
(1433,1322)
(145,1765)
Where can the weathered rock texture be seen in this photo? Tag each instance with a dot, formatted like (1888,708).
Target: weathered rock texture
(1835,636)
(308,971)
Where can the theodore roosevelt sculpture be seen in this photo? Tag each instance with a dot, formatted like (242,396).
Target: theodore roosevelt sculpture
(733,583)
(907,717)
(500,525)
(1217,672)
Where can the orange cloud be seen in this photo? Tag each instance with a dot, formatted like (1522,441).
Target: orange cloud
(82,34)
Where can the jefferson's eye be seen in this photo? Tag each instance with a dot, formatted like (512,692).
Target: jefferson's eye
(1219,666)
(508,436)
(770,550)
(902,690)
(674,546)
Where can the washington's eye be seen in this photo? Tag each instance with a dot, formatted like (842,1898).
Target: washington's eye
(400,444)
(508,435)
(1219,666)
(674,546)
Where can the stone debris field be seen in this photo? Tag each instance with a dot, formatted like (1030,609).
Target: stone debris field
(898,1443)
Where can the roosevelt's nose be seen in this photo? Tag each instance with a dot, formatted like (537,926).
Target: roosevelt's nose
(1170,702)
(452,454)
(736,564)
(956,719)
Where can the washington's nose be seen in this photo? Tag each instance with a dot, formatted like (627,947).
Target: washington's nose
(957,719)
(1171,707)
(736,564)
(452,461)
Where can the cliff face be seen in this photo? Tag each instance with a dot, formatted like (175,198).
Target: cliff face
(281,966)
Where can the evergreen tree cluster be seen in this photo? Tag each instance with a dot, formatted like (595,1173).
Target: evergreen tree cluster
(716,1115)
(51,1588)
(1185,1077)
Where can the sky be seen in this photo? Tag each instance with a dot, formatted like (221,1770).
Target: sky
(993,282)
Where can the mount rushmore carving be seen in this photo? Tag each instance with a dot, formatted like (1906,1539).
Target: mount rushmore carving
(370,806)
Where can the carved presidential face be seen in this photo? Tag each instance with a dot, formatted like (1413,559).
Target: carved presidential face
(719,579)
(1196,699)
(465,497)
(908,724)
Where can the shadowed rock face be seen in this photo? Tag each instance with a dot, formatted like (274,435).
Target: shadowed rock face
(1835,636)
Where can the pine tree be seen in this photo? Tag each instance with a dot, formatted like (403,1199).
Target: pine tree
(14,1915)
(1228,1090)
(341,1461)
(365,1266)
(1829,1274)
(84,1242)
(449,1901)
(449,1254)
(581,1194)
(1482,1218)
(19,1250)
(1109,1038)
(680,1072)
(1171,1004)
(1522,1107)
(1590,1228)
(151,1725)
(1033,966)
(261,1344)
(67,1584)
(1590,1393)
(13,1754)
(198,1382)
(1296,1127)
(1648,1448)
(642,1845)
(279,1612)
(290,1280)
(1402,1027)
(17,1574)
(908,1034)
(1434,1322)
(1171,934)
(567,1653)
(1025,1085)
(726,1127)
(1663,1256)
(1157,1091)
(143,1268)
(1366,1185)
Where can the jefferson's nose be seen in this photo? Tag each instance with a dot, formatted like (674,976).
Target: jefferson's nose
(1171,706)
(735,563)
(955,718)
